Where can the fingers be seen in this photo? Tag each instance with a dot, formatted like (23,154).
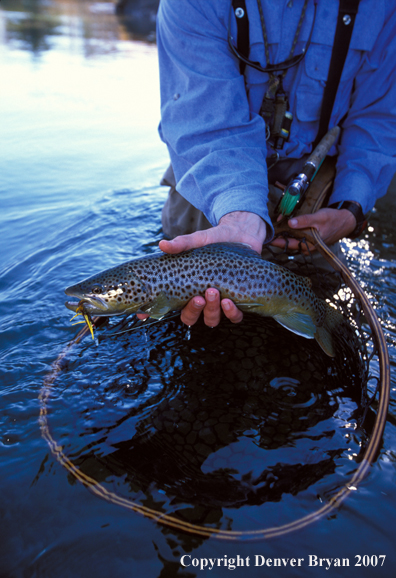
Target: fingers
(304,222)
(231,311)
(331,224)
(293,245)
(212,311)
(185,242)
(235,227)
(211,308)
(142,316)
(325,221)
(191,312)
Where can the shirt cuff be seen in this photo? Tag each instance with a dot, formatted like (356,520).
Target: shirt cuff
(356,187)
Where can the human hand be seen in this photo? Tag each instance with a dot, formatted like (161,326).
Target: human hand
(331,224)
(236,227)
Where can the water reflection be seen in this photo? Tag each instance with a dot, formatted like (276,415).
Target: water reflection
(34,25)
(30,25)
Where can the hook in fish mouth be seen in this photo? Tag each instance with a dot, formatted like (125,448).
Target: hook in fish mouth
(91,303)
(80,310)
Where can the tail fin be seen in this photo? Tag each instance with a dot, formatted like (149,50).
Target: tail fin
(326,334)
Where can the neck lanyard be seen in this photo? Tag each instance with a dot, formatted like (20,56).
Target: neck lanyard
(269,68)
(275,105)
(296,35)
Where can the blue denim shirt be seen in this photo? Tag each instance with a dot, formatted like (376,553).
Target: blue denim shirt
(209,112)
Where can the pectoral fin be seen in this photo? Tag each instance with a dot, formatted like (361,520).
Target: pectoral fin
(158,308)
(298,323)
(250,307)
(323,337)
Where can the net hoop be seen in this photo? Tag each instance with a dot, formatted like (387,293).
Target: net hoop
(231,535)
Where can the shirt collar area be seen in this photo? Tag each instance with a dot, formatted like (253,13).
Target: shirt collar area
(369,22)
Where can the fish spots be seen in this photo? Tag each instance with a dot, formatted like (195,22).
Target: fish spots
(236,272)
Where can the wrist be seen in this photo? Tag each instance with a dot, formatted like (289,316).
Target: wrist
(356,210)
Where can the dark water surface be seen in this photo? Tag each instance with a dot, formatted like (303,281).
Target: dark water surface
(235,428)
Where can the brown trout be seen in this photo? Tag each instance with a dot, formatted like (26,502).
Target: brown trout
(159,283)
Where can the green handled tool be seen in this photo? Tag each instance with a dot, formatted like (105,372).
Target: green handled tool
(296,189)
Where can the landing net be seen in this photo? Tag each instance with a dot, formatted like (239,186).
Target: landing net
(339,287)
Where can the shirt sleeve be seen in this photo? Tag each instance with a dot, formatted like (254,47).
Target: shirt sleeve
(216,144)
(367,151)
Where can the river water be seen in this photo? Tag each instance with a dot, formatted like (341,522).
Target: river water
(237,428)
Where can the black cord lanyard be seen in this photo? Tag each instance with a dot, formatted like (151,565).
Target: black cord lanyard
(346,18)
(275,105)
(296,35)
(243,56)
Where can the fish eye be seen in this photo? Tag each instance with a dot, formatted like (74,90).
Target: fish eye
(97,289)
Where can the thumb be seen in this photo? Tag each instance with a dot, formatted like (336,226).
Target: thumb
(303,222)
(185,242)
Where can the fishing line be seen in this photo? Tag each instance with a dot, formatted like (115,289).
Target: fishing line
(143,324)
(172,521)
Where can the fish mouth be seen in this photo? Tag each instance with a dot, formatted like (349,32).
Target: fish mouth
(93,304)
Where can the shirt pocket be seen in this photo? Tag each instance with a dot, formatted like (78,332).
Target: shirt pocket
(312,82)
(316,64)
